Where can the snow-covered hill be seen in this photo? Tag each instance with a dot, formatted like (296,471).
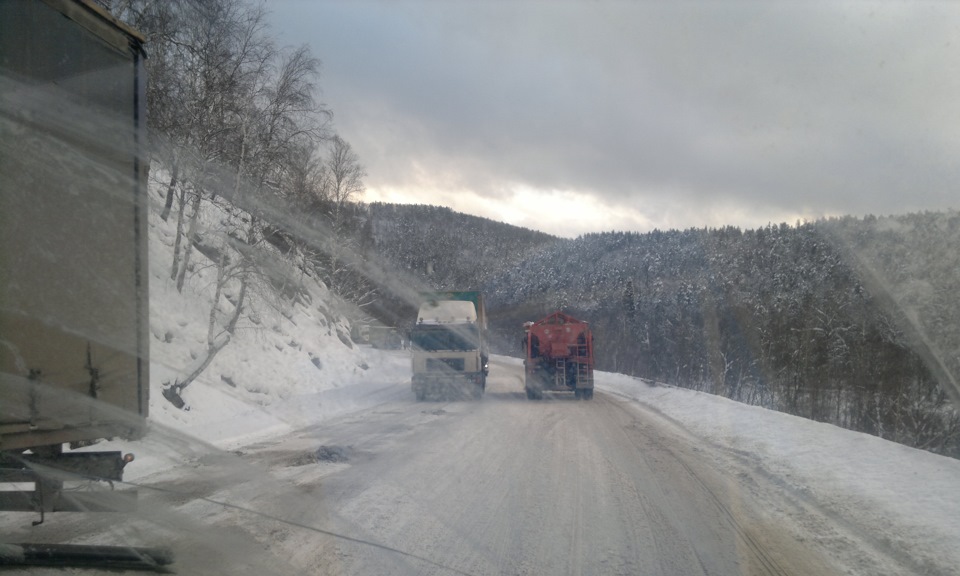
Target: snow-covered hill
(290,362)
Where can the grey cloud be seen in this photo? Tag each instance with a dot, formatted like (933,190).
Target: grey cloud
(808,108)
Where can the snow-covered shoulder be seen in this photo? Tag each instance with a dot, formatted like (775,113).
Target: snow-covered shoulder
(906,497)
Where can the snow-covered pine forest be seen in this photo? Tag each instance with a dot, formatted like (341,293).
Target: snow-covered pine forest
(817,319)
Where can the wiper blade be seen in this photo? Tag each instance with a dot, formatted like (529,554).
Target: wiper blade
(87,556)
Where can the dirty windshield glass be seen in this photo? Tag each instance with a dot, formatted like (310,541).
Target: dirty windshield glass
(479,288)
(459,337)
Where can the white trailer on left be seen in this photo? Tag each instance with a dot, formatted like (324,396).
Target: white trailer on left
(74,357)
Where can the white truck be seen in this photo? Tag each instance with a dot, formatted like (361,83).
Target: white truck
(448,342)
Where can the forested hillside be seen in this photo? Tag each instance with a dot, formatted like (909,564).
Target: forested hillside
(787,317)
(442,249)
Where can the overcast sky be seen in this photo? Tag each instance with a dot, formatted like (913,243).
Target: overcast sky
(588,116)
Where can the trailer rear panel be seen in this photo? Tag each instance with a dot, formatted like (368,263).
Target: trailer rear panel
(74,358)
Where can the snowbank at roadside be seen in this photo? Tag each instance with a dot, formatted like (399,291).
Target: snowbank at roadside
(906,498)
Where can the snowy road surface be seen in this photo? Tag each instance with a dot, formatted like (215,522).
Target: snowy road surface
(499,486)
(509,486)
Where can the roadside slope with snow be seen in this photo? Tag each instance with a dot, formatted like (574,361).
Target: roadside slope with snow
(290,362)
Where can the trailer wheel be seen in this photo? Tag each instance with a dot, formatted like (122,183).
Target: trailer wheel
(421,395)
(588,394)
(578,394)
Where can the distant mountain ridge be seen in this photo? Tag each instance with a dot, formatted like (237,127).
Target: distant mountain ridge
(443,249)
(449,248)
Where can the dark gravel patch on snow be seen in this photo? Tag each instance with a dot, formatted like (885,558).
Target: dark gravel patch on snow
(321,454)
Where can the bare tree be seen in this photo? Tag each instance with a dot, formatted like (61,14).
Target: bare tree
(344,262)
(346,178)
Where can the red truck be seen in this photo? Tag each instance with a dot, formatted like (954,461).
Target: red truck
(559,356)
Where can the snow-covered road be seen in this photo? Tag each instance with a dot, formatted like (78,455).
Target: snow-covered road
(509,486)
(499,486)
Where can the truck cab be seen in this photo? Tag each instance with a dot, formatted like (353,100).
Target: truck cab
(449,357)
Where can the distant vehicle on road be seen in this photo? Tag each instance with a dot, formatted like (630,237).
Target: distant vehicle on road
(558,356)
(449,348)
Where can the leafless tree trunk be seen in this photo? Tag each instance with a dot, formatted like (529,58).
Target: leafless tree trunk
(191,239)
(175,267)
(171,189)
(217,341)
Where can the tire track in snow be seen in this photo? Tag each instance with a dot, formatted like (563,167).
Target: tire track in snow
(767,560)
